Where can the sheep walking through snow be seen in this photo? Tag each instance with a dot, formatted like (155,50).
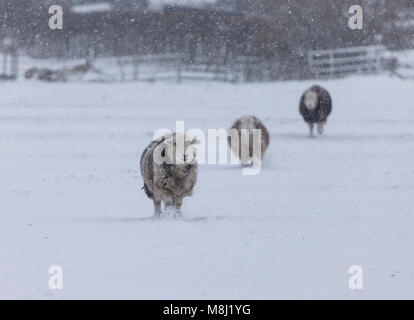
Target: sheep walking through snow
(169,170)
(315,107)
(249,124)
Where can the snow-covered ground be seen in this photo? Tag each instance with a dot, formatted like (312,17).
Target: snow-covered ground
(70,193)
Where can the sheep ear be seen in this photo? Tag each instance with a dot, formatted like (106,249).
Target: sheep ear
(169,141)
(195,141)
(160,139)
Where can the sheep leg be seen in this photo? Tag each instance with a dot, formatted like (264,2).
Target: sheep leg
(310,124)
(320,127)
(178,205)
(157,208)
(174,206)
(169,206)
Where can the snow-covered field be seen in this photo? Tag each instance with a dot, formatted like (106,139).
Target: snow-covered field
(70,194)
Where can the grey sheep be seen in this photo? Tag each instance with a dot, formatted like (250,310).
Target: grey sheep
(169,170)
(248,123)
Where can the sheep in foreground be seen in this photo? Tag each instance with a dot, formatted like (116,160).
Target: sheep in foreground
(169,171)
(315,107)
(248,124)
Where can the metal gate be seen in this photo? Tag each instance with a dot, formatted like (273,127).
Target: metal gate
(336,63)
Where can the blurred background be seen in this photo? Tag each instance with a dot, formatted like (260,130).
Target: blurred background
(229,40)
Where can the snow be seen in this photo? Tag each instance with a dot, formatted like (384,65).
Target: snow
(188,3)
(70,193)
(92,7)
(405,57)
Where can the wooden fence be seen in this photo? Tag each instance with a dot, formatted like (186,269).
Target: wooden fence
(175,67)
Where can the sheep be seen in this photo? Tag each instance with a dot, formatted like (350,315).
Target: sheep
(169,170)
(31,73)
(248,123)
(315,107)
(45,74)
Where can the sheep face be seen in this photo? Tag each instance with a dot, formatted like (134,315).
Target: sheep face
(248,123)
(179,151)
(311,100)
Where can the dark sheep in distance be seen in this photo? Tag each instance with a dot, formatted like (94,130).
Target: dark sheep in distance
(315,107)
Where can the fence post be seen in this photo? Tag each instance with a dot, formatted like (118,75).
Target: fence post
(331,64)
(179,66)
